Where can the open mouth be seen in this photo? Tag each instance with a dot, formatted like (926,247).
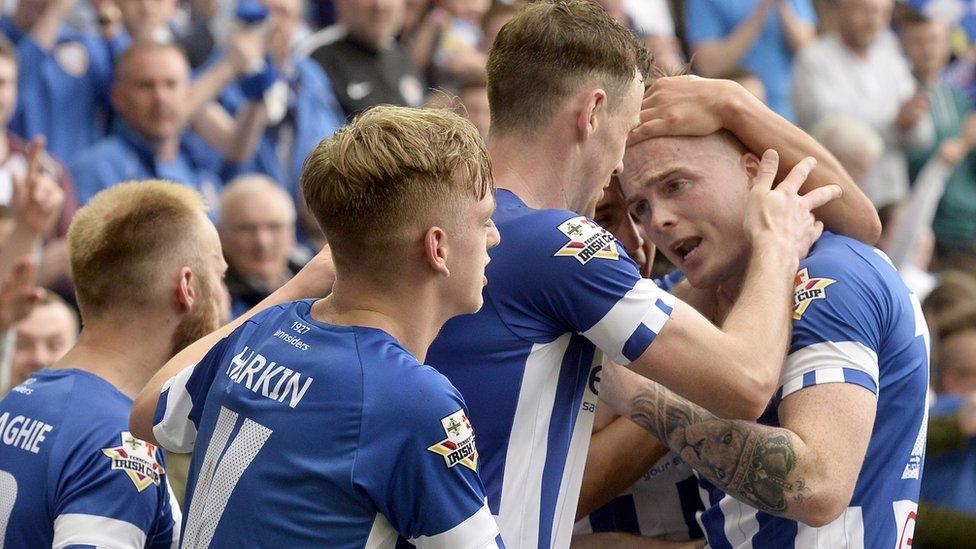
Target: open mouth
(685,248)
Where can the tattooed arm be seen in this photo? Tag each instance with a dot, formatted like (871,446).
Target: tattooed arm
(805,470)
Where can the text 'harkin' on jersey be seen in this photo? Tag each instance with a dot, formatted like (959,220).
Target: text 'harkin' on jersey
(268,378)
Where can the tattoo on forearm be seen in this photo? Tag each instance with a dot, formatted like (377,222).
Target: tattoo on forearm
(754,463)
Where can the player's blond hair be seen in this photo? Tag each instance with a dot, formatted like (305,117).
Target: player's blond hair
(373,184)
(120,242)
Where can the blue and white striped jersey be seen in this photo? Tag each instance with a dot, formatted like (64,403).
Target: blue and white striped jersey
(663,504)
(558,285)
(854,322)
(70,473)
(307,434)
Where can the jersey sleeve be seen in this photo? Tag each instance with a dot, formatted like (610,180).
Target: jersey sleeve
(420,471)
(839,312)
(181,402)
(112,493)
(585,283)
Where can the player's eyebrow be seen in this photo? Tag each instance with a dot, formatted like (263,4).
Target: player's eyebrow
(652,175)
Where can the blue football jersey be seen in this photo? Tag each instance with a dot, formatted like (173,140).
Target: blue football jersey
(663,503)
(71,475)
(558,285)
(308,434)
(854,321)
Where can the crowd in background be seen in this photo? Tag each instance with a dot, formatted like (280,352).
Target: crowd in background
(229,98)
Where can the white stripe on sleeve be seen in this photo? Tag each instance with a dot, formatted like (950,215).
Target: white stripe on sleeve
(476,532)
(827,355)
(176,432)
(80,529)
(637,307)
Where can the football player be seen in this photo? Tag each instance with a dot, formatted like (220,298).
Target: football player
(316,423)
(146,264)
(835,460)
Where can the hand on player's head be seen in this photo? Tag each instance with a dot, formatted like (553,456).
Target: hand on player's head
(682,106)
(782,214)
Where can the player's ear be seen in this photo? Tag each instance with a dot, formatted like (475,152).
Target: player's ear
(435,250)
(750,163)
(592,113)
(186,295)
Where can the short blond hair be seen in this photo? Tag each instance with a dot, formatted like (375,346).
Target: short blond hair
(370,183)
(119,241)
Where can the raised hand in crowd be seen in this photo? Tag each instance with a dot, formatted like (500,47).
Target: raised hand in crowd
(913,110)
(18,294)
(108,16)
(35,206)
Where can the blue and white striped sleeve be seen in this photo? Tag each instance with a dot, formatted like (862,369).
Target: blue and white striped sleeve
(181,402)
(584,282)
(837,330)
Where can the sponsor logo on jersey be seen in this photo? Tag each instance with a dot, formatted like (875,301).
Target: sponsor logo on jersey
(587,240)
(137,459)
(458,447)
(807,290)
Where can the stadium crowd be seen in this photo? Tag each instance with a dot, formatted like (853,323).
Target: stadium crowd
(174,175)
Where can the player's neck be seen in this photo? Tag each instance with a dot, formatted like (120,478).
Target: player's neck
(412,320)
(119,354)
(534,171)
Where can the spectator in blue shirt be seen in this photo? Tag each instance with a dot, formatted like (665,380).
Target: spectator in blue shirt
(760,35)
(150,95)
(301,107)
(63,92)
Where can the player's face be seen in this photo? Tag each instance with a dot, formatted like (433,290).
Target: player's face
(8,90)
(689,195)
(42,338)
(207,311)
(475,235)
(153,95)
(609,143)
(612,214)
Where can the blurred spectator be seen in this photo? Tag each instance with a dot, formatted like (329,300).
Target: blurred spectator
(473,94)
(859,72)
(301,107)
(908,237)
(854,142)
(947,506)
(150,94)
(32,210)
(13,149)
(41,338)
(18,296)
(926,43)
(65,89)
(363,59)
(760,35)
(458,55)
(651,21)
(495,18)
(257,231)
(750,81)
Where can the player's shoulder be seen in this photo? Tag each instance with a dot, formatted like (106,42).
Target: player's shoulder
(549,239)
(841,256)
(397,385)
